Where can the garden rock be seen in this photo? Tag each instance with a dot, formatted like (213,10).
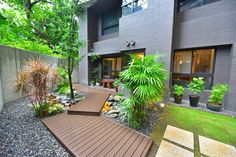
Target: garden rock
(113,111)
(113,115)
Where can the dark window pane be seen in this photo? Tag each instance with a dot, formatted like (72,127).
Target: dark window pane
(190,4)
(111,30)
(127,9)
(140,5)
(110,21)
(182,62)
(203,61)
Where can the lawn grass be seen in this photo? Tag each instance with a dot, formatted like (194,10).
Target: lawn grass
(218,127)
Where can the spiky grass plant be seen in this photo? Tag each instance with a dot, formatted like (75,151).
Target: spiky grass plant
(145,78)
(35,81)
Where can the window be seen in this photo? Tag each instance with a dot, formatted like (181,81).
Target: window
(131,6)
(111,67)
(193,63)
(184,5)
(110,21)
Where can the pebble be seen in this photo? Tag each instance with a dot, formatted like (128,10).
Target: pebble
(22,134)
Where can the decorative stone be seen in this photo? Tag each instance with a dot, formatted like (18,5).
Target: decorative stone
(167,149)
(180,136)
(214,148)
(112,115)
(113,111)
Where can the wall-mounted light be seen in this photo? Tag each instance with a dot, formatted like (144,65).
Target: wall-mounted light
(132,43)
(127,43)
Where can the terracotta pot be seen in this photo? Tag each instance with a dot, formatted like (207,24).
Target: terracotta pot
(194,99)
(214,107)
(178,99)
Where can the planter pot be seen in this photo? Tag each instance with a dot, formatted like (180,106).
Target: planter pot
(194,99)
(97,84)
(178,99)
(214,107)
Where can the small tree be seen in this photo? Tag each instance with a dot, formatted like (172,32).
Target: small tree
(145,78)
(54,23)
(35,81)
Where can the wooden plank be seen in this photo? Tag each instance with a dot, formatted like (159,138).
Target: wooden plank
(94,148)
(107,146)
(86,144)
(134,146)
(92,136)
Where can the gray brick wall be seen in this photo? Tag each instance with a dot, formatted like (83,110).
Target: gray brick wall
(210,25)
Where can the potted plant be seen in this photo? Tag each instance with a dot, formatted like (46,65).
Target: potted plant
(91,82)
(217,96)
(178,93)
(196,86)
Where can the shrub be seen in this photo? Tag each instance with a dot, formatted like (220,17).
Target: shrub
(196,86)
(56,108)
(217,94)
(35,81)
(41,109)
(178,90)
(145,78)
(63,86)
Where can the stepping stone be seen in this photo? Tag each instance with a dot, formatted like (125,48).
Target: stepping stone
(167,149)
(215,149)
(180,136)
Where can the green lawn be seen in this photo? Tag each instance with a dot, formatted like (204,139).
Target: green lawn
(214,126)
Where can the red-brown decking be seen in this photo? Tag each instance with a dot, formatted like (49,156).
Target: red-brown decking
(92,103)
(84,135)
(96,136)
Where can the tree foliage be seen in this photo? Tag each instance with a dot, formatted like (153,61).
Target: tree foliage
(145,78)
(49,22)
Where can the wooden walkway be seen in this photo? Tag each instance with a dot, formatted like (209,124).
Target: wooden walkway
(84,135)
(96,136)
(93,102)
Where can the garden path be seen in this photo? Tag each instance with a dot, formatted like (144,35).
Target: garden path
(178,142)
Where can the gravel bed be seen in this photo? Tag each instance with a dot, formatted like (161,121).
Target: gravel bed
(23,135)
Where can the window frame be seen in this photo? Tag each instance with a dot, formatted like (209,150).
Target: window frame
(202,4)
(210,75)
(132,7)
(111,71)
(112,26)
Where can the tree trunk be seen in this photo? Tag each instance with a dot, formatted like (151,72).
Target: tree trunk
(71,86)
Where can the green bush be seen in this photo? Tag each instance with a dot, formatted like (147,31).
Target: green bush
(217,94)
(196,86)
(63,86)
(41,109)
(145,78)
(56,108)
(178,90)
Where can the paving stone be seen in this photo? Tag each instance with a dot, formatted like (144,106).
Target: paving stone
(167,149)
(180,136)
(215,149)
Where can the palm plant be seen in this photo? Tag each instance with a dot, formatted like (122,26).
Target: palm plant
(145,78)
(35,81)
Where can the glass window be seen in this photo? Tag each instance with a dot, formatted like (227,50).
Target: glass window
(193,63)
(182,62)
(184,5)
(111,67)
(131,6)
(110,21)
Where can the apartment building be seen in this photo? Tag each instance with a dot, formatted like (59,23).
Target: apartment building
(195,37)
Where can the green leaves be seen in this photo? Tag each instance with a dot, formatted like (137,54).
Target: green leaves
(178,90)
(196,86)
(217,94)
(145,78)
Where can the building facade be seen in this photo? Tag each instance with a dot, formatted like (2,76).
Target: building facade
(195,38)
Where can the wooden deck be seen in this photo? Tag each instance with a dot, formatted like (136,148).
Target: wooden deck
(96,136)
(91,105)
